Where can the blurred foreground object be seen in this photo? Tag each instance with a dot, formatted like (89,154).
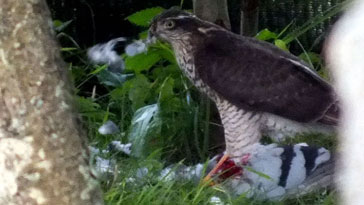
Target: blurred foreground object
(345,56)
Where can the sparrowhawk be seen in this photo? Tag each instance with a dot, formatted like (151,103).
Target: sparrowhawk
(258,88)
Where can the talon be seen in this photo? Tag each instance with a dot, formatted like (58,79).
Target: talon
(215,170)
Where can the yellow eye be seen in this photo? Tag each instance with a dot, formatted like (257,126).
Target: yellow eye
(169,24)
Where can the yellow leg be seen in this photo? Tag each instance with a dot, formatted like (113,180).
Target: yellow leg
(215,169)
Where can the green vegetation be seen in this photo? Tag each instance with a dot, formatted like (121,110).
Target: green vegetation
(165,118)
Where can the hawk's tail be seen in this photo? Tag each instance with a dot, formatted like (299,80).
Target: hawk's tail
(321,178)
(332,115)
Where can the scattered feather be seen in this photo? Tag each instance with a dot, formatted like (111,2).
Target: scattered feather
(104,166)
(262,174)
(94,150)
(118,146)
(135,48)
(150,39)
(142,172)
(105,54)
(108,128)
(214,200)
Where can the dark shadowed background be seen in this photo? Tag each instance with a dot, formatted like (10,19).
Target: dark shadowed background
(95,21)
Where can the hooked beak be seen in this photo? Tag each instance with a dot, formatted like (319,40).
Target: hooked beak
(152,30)
(152,34)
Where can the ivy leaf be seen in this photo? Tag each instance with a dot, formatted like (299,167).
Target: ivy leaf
(142,61)
(144,17)
(144,125)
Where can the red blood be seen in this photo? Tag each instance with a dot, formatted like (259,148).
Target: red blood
(230,169)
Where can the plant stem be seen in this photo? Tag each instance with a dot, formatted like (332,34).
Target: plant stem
(195,132)
(206,138)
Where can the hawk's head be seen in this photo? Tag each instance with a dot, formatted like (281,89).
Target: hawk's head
(174,24)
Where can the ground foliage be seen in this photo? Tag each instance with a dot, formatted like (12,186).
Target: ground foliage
(166,119)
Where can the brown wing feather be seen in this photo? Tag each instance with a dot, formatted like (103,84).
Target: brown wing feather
(257,76)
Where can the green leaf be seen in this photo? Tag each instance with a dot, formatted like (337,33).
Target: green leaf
(60,26)
(265,35)
(86,104)
(117,94)
(106,117)
(68,49)
(88,108)
(78,73)
(57,23)
(316,62)
(170,107)
(145,122)
(142,61)
(171,70)
(144,17)
(164,50)
(167,54)
(166,90)
(311,57)
(112,79)
(138,90)
(143,34)
(286,28)
(281,44)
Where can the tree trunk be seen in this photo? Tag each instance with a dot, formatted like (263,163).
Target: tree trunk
(43,155)
(249,13)
(215,11)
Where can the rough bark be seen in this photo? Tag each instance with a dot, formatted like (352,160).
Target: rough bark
(345,56)
(215,11)
(43,157)
(249,13)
